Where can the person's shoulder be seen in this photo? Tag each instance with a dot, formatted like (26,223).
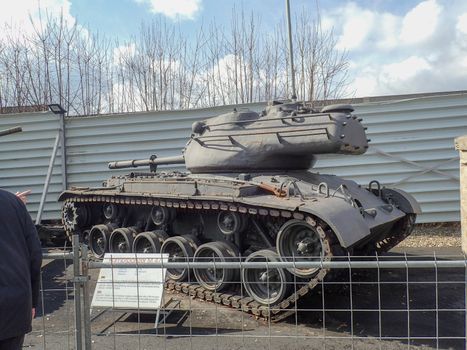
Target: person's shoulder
(8,196)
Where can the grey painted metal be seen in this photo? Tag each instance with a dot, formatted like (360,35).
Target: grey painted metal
(63,149)
(373,264)
(77,293)
(146,162)
(286,136)
(289,35)
(47,179)
(57,256)
(24,159)
(86,298)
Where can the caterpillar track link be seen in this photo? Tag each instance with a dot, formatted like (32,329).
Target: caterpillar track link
(238,301)
(236,297)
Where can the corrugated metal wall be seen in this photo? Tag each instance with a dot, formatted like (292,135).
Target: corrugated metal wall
(412,146)
(24,159)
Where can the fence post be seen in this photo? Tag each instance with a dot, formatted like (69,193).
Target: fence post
(63,151)
(50,170)
(77,292)
(86,306)
(461,145)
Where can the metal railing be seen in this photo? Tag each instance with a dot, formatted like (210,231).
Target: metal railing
(382,302)
(53,322)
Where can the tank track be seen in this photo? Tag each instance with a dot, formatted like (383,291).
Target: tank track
(402,231)
(235,299)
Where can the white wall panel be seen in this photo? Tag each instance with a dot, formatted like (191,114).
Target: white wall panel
(25,156)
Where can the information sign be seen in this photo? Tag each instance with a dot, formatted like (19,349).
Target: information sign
(130,287)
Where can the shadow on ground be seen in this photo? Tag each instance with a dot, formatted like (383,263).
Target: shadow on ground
(424,307)
(56,286)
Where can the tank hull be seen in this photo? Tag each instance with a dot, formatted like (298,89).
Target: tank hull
(347,217)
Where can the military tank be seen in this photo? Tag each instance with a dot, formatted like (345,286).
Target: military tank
(247,195)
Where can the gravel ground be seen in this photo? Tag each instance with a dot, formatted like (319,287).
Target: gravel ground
(447,234)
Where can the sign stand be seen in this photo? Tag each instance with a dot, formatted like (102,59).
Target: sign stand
(168,308)
(161,314)
(130,289)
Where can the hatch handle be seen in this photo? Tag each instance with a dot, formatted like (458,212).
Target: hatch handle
(378,187)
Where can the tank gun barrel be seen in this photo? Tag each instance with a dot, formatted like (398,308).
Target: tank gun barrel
(152,162)
(11,131)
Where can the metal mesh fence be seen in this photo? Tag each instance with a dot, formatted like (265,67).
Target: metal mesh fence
(387,302)
(53,326)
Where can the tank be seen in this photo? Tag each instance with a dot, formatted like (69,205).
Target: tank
(248,194)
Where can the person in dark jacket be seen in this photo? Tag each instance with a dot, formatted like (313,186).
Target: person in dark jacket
(20,264)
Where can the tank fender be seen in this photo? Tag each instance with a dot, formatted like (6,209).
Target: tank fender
(64,195)
(403,200)
(346,222)
(70,193)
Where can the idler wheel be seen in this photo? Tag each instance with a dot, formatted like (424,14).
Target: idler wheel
(74,216)
(121,240)
(98,239)
(230,223)
(162,216)
(212,278)
(299,241)
(180,249)
(149,242)
(267,286)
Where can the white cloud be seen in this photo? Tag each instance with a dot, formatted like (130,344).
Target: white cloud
(464,62)
(123,51)
(421,22)
(391,78)
(421,50)
(356,28)
(23,15)
(404,70)
(461,25)
(383,29)
(327,23)
(388,26)
(174,9)
(365,84)
(225,67)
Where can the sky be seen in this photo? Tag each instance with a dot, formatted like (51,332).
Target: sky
(393,46)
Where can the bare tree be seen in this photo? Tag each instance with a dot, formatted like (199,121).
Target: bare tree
(161,69)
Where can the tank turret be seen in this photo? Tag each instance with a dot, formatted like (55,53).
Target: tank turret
(285,136)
